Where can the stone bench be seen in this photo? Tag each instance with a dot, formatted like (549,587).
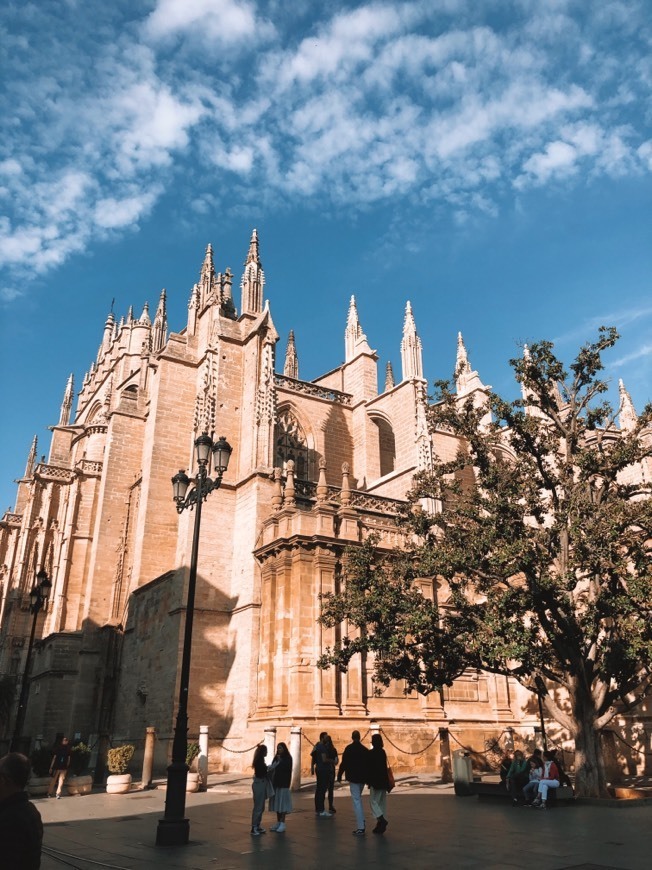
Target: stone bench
(497,791)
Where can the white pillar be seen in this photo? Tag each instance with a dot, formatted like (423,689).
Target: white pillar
(295,752)
(202,760)
(374,727)
(270,742)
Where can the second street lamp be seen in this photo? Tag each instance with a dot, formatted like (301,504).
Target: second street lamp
(38,598)
(174,828)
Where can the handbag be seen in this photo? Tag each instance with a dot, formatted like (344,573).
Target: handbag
(269,788)
(391,782)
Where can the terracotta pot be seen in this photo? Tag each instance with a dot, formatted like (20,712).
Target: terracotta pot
(80,784)
(118,783)
(192,783)
(38,785)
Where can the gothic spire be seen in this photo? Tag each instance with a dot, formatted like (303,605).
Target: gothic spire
(463,371)
(411,357)
(628,417)
(160,329)
(144,320)
(389,377)
(108,335)
(66,405)
(253,279)
(291,366)
(31,458)
(207,279)
(354,338)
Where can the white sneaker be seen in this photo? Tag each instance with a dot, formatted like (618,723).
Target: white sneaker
(274,827)
(325,814)
(279,828)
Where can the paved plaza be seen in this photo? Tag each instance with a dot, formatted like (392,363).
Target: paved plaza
(429,828)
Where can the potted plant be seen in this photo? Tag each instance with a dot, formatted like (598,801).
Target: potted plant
(79,781)
(118,758)
(192,782)
(40,778)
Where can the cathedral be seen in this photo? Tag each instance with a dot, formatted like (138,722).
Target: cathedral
(316,465)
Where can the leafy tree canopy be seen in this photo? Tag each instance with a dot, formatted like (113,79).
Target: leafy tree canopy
(537,537)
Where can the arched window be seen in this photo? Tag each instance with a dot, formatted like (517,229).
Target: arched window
(291,443)
(386,445)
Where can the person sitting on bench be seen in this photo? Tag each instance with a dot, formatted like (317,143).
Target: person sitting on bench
(550,779)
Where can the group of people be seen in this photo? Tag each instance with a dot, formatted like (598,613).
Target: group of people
(529,779)
(359,765)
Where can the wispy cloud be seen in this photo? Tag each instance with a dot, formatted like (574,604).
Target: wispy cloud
(405,102)
(640,352)
(619,318)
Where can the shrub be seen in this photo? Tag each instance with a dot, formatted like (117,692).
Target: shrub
(41,759)
(119,757)
(191,753)
(79,758)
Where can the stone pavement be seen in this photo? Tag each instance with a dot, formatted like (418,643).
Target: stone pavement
(428,828)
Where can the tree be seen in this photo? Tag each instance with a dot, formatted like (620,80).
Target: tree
(538,538)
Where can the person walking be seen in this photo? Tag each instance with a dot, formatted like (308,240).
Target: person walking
(378,781)
(259,789)
(320,767)
(21,828)
(281,800)
(333,759)
(354,766)
(59,767)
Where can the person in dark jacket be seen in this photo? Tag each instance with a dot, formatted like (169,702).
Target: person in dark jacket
(378,782)
(59,766)
(354,767)
(21,829)
(518,775)
(281,800)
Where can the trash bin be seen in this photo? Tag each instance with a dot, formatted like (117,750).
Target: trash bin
(462,773)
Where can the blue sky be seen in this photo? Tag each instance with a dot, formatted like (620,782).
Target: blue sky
(491,162)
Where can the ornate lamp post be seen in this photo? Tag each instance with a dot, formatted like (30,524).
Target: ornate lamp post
(173,828)
(37,599)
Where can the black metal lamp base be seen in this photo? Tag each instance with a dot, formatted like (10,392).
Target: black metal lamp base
(173,832)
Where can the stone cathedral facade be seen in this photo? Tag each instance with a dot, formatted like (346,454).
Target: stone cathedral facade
(316,466)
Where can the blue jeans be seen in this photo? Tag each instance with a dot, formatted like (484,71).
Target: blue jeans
(356,796)
(258,787)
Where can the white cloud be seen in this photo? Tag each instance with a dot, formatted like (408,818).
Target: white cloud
(557,159)
(112,213)
(434,103)
(217,21)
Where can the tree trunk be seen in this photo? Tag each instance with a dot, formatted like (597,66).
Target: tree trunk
(590,776)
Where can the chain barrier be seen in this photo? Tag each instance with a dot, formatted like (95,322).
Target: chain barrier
(642,752)
(477,751)
(407,751)
(235,751)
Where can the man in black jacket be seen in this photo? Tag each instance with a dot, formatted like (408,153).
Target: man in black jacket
(21,829)
(354,766)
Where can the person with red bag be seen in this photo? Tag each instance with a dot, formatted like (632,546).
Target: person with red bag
(378,782)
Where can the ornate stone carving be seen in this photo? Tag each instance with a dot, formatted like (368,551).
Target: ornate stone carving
(309,389)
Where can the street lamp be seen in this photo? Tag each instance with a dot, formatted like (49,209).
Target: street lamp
(38,597)
(173,828)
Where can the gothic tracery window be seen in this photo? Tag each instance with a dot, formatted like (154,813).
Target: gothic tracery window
(291,443)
